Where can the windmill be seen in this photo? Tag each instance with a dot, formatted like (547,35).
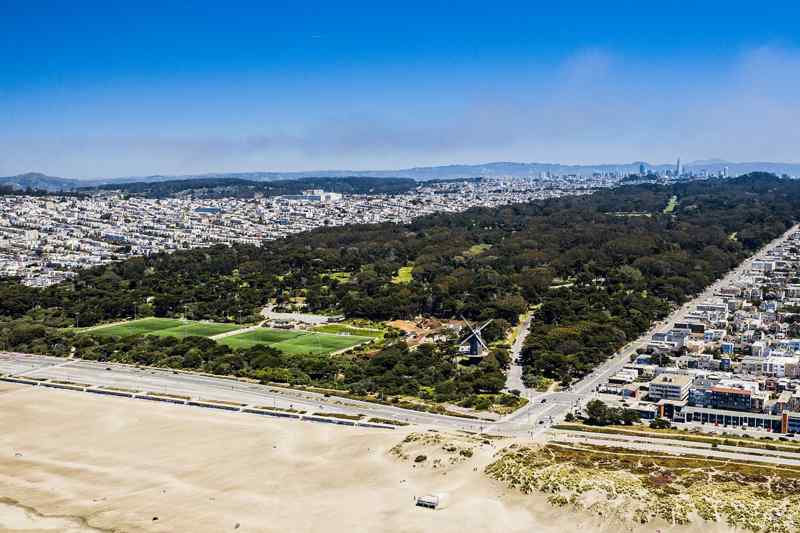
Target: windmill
(473,344)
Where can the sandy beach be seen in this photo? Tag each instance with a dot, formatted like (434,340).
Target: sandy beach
(76,463)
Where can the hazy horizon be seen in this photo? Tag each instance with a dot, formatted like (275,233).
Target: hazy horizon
(130,90)
(710,162)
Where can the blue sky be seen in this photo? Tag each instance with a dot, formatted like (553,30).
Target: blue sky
(98,89)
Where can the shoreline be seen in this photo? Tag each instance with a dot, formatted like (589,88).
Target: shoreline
(15,515)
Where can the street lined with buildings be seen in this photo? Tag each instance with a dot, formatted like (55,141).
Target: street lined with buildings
(733,353)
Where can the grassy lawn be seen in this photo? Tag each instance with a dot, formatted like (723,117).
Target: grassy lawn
(342,277)
(287,341)
(477,249)
(135,327)
(197,329)
(163,327)
(403,275)
(294,342)
(673,203)
(351,330)
(259,336)
(318,344)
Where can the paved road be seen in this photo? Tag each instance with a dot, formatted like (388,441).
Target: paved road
(514,376)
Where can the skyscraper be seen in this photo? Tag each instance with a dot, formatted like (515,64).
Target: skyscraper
(641,169)
(678,168)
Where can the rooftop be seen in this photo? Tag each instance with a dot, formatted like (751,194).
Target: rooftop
(680,380)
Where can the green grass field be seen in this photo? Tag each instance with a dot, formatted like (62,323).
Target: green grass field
(197,329)
(294,342)
(403,275)
(673,203)
(287,341)
(134,327)
(477,249)
(351,330)
(259,336)
(163,327)
(342,277)
(316,343)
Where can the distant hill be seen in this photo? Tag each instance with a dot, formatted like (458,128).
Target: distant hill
(445,172)
(38,181)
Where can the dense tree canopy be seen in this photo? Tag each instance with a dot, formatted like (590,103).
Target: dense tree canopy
(600,268)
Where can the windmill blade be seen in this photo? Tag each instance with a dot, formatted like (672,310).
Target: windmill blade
(472,332)
(480,340)
(471,328)
(483,326)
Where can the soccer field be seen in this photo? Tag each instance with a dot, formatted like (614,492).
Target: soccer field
(197,329)
(317,343)
(287,341)
(294,342)
(134,327)
(164,327)
(259,336)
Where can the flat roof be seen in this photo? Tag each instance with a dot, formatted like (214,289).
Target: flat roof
(672,379)
(731,390)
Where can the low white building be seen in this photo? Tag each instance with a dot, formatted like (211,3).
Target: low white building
(670,387)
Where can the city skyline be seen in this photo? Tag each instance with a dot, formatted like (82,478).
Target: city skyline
(124,91)
(713,167)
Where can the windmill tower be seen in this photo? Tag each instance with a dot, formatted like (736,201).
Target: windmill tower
(473,344)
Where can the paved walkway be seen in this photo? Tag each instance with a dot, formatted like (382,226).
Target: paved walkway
(237,331)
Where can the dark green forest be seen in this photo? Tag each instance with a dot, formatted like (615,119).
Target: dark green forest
(242,188)
(599,268)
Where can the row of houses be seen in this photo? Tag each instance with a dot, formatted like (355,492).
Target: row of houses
(734,360)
